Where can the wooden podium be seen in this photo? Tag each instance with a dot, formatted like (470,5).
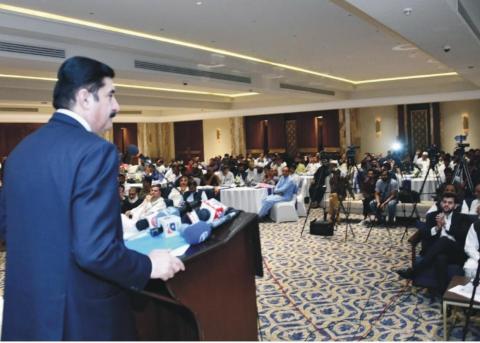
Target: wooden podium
(215,297)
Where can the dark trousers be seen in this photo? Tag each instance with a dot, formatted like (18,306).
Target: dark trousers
(366,205)
(439,255)
(316,192)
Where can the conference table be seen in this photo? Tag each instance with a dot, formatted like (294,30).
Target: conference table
(428,190)
(247,199)
(215,297)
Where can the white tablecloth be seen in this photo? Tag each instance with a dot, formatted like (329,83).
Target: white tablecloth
(243,198)
(428,190)
(306,182)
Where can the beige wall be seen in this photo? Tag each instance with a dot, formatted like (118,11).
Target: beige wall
(212,145)
(369,140)
(156,140)
(451,119)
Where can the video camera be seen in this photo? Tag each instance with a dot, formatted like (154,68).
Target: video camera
(433,154)
(351,153)
(460,139)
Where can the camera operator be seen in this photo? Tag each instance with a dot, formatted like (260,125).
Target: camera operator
(386,194)
(338,191)
(317,188)
(368,191)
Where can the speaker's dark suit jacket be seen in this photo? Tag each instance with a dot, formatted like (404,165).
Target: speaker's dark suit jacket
(67,270)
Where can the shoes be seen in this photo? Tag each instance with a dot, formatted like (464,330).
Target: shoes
(265,219)
(314,204)
(405,273)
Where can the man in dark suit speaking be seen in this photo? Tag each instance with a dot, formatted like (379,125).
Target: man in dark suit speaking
(67,269)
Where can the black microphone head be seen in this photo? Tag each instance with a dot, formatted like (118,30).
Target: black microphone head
(142,224)
(203,214)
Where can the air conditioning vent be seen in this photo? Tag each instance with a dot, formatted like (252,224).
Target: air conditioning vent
(190,72)
(31,50)
(19,109)
(306,89)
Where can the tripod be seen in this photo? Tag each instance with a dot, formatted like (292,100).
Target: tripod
(310,207)
(420,192)
(461,169)
(349,190)
(314,198)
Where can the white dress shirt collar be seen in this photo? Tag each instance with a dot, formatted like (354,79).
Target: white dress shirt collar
(75,116)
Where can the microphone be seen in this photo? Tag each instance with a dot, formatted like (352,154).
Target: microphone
(225,219)
(142,224)
(197,233)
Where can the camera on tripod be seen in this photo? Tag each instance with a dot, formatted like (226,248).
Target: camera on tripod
(351,153)
(460,145)
(433,154)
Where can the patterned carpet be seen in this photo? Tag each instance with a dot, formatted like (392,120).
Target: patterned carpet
(321,288)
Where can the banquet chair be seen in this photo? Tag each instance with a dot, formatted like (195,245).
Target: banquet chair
(301,208)
(285,211)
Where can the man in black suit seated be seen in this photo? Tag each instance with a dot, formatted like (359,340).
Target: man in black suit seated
(444,239)
(132,201)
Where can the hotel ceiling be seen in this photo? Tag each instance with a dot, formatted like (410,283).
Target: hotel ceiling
(185,59)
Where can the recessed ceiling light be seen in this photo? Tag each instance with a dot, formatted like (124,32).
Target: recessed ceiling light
(407,11)
(199,3)
(320,117)
(471,67)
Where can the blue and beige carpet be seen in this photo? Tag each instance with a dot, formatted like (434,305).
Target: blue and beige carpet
(323,288)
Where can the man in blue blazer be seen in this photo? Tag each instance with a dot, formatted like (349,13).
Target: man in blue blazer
(283,191)
(68,271)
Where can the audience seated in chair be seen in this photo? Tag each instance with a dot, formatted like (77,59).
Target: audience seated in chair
(472,205)
(386,192)
(283,191)
(177,193)
(151,205)
(226,177)
(472,249)
(443,243)
(132,200)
